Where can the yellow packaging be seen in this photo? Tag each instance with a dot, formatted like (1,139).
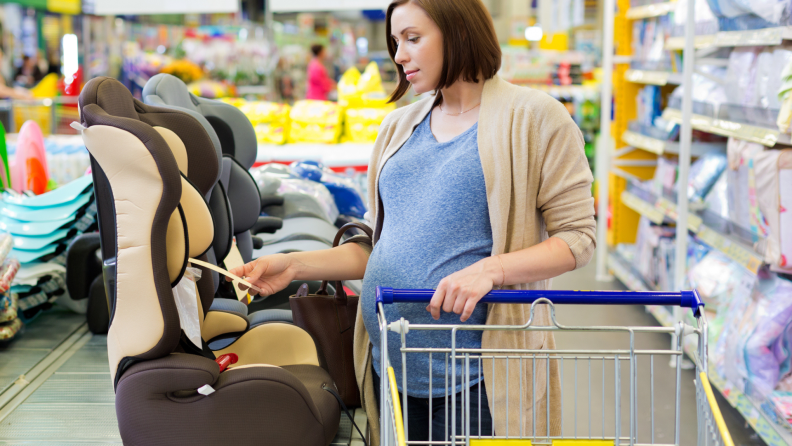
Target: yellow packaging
(348,95)
(361,125)
(270,121)
(315,121)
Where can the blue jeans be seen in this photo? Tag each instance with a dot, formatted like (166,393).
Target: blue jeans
(418,414)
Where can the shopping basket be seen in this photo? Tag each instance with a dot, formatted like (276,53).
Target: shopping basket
(622,426)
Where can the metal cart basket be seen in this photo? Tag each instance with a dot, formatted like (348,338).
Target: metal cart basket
(620,429)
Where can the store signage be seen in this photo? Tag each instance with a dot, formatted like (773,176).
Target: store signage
(337,5)
(116,7)
(73,7)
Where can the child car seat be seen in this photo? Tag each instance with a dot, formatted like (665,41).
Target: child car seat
(152,219)
(235,138)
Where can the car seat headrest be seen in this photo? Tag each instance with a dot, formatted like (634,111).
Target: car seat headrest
(203,156)
(170,90)
(110,95)
(234,130)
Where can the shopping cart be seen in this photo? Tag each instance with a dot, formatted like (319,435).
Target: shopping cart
(711,429)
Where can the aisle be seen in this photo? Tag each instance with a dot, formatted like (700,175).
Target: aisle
(587,315)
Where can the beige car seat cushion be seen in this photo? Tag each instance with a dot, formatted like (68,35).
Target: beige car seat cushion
(200,227)
(137,188)
(218,323)
(277,344)
(177,147)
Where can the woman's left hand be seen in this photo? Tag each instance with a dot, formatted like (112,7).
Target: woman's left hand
(461,291)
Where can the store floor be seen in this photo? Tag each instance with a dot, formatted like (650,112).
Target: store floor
(70,398)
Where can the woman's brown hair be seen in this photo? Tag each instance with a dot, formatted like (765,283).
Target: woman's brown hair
(470,45)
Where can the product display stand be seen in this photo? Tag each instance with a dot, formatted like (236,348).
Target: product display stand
(685,138)
(625,193)
(604,146)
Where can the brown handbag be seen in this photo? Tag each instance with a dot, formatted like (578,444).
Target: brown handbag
(331,322)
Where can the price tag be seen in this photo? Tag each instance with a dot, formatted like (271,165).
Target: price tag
(659,78)
(644,142)
(653,10)
(642,207)
(694,223)
(760,37)
(760,135)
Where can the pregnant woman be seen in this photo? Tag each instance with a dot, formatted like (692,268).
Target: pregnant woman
(479,185)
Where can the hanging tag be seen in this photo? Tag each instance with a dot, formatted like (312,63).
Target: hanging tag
(77,126)
(206,390)
(228,274)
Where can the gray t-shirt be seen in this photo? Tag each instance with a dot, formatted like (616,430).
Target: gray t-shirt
(436,223)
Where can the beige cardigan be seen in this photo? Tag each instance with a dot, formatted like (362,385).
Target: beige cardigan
(538,184)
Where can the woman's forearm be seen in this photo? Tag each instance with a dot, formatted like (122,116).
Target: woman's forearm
(546,260)
(345,262)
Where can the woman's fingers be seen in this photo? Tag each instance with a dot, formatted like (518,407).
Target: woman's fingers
(470,305)
(437,301)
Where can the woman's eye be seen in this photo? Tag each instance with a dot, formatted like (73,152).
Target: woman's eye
(413,40)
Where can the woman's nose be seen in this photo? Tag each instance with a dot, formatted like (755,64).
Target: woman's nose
(400,57)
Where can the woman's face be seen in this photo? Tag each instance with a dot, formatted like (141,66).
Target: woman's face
(419,45)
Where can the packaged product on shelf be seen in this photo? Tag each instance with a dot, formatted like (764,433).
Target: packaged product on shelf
(347,87)
(704,173)
(741,183)
(773,176)
(270,120)
(717,201)
(664,176)
(361,125)
(755,346)
(705,21)
(315,122)
(717,278)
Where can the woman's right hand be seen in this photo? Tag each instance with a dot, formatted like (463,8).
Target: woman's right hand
(270,273)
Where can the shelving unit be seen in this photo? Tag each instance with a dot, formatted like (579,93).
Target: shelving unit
(664,209)
(771,432)
(335,156)
(659,147)
(649,11)
(762,135)
(659,78)
(723,39)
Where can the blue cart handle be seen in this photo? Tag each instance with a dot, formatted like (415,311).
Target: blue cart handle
(687,299)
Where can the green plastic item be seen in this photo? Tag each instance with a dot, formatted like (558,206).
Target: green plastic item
(4,155)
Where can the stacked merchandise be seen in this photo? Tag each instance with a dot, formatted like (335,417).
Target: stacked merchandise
(648,45)
(67,158)
(42,227)
(10,323)
(355,118)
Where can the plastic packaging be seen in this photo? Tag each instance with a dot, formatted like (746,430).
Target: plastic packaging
(270,120)
(315,122)
(186,297)
(756,347)
(704,173)
(347,195)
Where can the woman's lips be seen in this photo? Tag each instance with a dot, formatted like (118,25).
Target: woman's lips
(410,74)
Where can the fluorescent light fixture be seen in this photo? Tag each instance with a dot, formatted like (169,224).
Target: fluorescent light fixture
(71,58)
(533,33)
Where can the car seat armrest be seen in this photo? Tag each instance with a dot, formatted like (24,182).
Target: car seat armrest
(267,225)
(258,242)
(173,373)
(271,200)
(224,318)
(273,315)
(82,264)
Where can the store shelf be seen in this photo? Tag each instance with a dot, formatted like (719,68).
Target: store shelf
(771,432)
(663,208)
(653,77)
(331,155)
(762,135)
(758,37)
(659,147)
(648,11)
